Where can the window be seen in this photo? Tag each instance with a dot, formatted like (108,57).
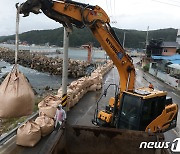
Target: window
(165,50)
(130,112)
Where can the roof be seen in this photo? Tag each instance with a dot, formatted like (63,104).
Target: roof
(175,61)
(170,44)
(150,93)
(170,58)
(176,66)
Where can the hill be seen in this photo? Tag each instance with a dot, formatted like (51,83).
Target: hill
(134,38)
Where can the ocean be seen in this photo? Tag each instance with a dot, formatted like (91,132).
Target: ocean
(40,80)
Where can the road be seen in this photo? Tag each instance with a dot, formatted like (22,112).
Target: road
(83,112)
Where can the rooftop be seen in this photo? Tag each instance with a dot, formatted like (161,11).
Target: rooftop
(176,66)
(175,59)
(169,44)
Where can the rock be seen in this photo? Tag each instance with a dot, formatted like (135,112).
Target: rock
(47,88)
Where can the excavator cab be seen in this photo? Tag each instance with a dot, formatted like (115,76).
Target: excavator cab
(143,110)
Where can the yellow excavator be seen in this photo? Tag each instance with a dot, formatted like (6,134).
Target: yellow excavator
(140,114)
(144,109)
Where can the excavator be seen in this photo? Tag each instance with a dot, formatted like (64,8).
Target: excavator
(143,109)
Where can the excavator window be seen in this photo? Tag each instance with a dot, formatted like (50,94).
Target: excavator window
(129,115)
(151,109)
(137,113)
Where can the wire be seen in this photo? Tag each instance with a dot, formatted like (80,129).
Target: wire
(175,1)
(110,8)
(107,6)
(166,3)
(114,7)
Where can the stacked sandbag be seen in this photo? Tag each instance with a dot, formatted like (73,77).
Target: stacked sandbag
(96,80)
(46,124)
(77,89)
(49,105)
(28,134)
(16,95)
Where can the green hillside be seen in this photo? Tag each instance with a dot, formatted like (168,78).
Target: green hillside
(134,38)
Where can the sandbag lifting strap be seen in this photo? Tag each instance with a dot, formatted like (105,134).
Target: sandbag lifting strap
(17,33)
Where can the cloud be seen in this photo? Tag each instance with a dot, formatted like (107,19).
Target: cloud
(129,14)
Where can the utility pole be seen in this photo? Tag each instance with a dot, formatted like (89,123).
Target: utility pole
(65,68)
(17,33)
(147,40)
(124,39)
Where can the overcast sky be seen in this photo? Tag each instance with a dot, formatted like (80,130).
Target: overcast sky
(129,14)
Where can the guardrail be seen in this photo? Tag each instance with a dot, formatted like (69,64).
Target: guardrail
(14,131)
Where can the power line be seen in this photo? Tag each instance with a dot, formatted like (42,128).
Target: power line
(175,1)
(107,6)
(166,3)
(114,7)
(110,8)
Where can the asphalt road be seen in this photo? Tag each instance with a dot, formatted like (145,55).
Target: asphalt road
(83,112)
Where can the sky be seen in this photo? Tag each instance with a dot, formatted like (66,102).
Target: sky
(124,14)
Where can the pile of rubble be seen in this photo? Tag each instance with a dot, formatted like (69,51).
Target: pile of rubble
(42,63)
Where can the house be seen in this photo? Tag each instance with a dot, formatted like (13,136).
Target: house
(167,69)
(169,48)
(174,70)
(159,47)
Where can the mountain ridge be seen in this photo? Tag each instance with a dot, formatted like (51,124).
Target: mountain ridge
(134,38)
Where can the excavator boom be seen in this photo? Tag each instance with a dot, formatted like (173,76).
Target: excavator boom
(71,14)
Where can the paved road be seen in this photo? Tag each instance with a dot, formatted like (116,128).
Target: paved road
(83,112)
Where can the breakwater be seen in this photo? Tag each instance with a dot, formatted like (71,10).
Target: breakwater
(43,63)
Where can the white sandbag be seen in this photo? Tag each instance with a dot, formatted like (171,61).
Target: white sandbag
(71,103)
(16,95)
(73,85)
(75,100)
(28,134)
(93,87)
(99,86)
(46,124)
(59,92)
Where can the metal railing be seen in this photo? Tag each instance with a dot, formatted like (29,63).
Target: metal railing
(13,132)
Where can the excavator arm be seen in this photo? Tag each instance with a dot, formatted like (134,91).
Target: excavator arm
(70,13)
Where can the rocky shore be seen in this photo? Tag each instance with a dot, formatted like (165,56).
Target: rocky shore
(42,63)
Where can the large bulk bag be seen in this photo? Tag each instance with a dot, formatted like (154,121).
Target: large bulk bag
(50,101)
(49,105)
(47,110)
(46,124)
(28,134)
(16,95)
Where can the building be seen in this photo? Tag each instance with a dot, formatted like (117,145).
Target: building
(167,69)
(178,37)
(169,48)
(159,47)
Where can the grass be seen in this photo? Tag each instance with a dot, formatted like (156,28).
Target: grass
(10,123)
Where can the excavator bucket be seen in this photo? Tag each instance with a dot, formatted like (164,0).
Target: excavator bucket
(83,139)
